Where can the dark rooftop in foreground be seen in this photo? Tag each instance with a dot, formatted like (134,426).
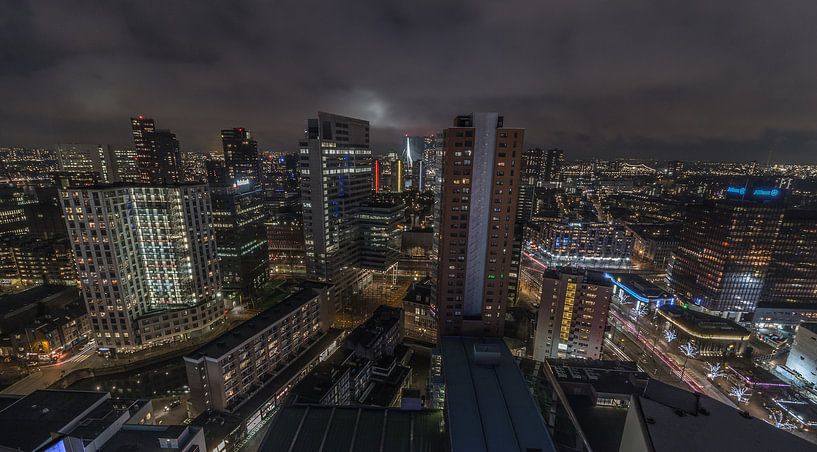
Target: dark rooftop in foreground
(225,343)
(30,422)
(678,420)
(316,428)
(811,326)
(490,407)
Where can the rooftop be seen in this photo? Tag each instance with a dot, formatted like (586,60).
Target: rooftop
(591,276)
(677,420)
(811,326)
(703,326)
(313,428)
(490,407)
(228,341)
(133,438)
(639,287)
(382,320)
(29,298)
(30,422)
(613,377)
(420,292)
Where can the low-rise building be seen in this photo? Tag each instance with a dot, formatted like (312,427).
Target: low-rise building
(419,314)
(654,243)
(803,355)
(633,288)
(227,371)
(712,335)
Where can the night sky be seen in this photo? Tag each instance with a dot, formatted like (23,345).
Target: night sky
(723,79)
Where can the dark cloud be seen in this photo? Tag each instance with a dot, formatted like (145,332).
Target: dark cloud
(731,79)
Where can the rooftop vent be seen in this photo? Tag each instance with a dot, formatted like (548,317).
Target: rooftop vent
(486,355)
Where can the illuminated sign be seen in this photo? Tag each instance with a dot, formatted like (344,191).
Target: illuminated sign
(766,192)
(760,192)
(242,182)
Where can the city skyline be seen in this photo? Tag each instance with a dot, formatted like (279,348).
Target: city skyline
(599,81)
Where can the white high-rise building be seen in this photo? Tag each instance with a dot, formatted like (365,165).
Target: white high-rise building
(146,261)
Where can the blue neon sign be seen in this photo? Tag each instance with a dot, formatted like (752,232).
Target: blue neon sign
(766,192)
(736,190)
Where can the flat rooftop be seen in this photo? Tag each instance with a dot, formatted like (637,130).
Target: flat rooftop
(677,420)
(811,326)
(612,377)
(30,422)
(489,406)
(29,297)
(703,326)
(133,438)
(317,428)
(639,287)
(228,341)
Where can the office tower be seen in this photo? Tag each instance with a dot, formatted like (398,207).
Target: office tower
(376,176)
(336,178)
(238,220)
(398,184)
(125,168)
(792,274)
(285,243)
(280,180)
(194,167)
(572,314)
(241,155)
(725,249)
(147,264)
(481,165)
(554,162)
(157,153)
(380,223)
(86,158)
(13,220)
(418,177)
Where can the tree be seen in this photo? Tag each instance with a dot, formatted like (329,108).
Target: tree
(670,335)
(739,392)
(779,421)
(638,313)
(714,371)
(690,351)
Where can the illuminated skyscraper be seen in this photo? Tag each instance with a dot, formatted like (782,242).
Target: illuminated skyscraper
(146,261)
(792,275)
(241,155)
(481,165)
(725,249)
(336,179)
(157,153)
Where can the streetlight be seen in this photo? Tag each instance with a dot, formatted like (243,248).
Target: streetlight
(689,351)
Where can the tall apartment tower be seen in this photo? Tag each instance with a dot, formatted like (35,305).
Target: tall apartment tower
(146,260)
(481,162)
(726,248)
(572,314)
(241,155)
(336,179)
(157,153)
